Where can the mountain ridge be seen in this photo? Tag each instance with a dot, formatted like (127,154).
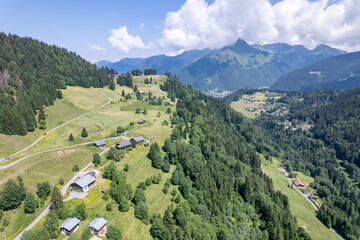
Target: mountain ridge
(339,72)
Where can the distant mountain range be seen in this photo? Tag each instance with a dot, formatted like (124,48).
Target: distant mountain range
(340,72)
(162,63)
(232,67)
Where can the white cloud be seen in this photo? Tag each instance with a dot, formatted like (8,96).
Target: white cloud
(124,42)
(96,49)
(199,25)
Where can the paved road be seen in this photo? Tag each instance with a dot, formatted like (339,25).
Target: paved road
(62,191)
(39,139)
(306,197)
(55,149)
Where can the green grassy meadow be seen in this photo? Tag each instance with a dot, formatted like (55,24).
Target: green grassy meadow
(299,206)
(52,166)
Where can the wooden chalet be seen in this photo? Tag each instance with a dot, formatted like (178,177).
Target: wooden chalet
(100,144)
(70,226)
(124,145)
(98,226)
(298,183)
(84,183)
(141,121)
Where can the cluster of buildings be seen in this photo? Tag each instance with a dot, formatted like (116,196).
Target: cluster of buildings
(97,226)
(132,143)
(298,183)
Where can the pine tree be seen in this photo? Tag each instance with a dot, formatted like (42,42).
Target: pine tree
(126,168)
(84,133)
(124,204)
(30,203)
(96,159)
(51,225)
(56,199)
(123,93)
(71,137)
(41,115)
(135,88)
(112,85)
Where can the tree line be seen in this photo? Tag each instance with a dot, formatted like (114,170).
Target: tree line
(30,74)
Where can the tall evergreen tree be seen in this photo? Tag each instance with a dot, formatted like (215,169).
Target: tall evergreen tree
(84,133)
(56,199)
(30,203)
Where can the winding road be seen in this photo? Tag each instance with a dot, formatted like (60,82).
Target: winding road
(306,197)
(62,191)
(40,138)
(54,149)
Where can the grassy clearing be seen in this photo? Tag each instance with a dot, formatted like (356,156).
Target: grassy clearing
(253,101)
(299,206)
(76,101)
(305,179)
(100,125)
(45,167)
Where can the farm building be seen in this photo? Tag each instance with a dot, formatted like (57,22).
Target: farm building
(142,92)
(70,226)
(137,140)
(101,143)
(304,191)
(298,183)
(313,197)
(141,121)
(98,226)
(123,145)
(84,183)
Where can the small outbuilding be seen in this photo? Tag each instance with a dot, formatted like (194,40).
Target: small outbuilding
(142,92)
(298,183)
(101,143)
(70,226)
(123,145)
(84,183)
(313,197)
(98,226)
(141,121)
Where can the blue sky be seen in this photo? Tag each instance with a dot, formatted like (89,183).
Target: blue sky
(87,26)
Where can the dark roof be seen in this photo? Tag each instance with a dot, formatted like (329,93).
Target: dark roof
(124,144)
(85,180)
(70,224)
(100,143)
(97,223)
(138,139)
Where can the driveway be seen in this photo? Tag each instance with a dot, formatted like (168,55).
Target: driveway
(76,195)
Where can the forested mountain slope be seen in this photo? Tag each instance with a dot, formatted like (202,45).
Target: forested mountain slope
(30,73)
(234,67)
(218,173)
(298,56)
(333,117)
(340,72)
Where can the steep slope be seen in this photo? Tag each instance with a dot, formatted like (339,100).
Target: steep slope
(30,73)
(162,63)
(234,67)
(298,56)
(340,72)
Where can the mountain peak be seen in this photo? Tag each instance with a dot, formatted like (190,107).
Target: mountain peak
(242,47)
(322,47)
